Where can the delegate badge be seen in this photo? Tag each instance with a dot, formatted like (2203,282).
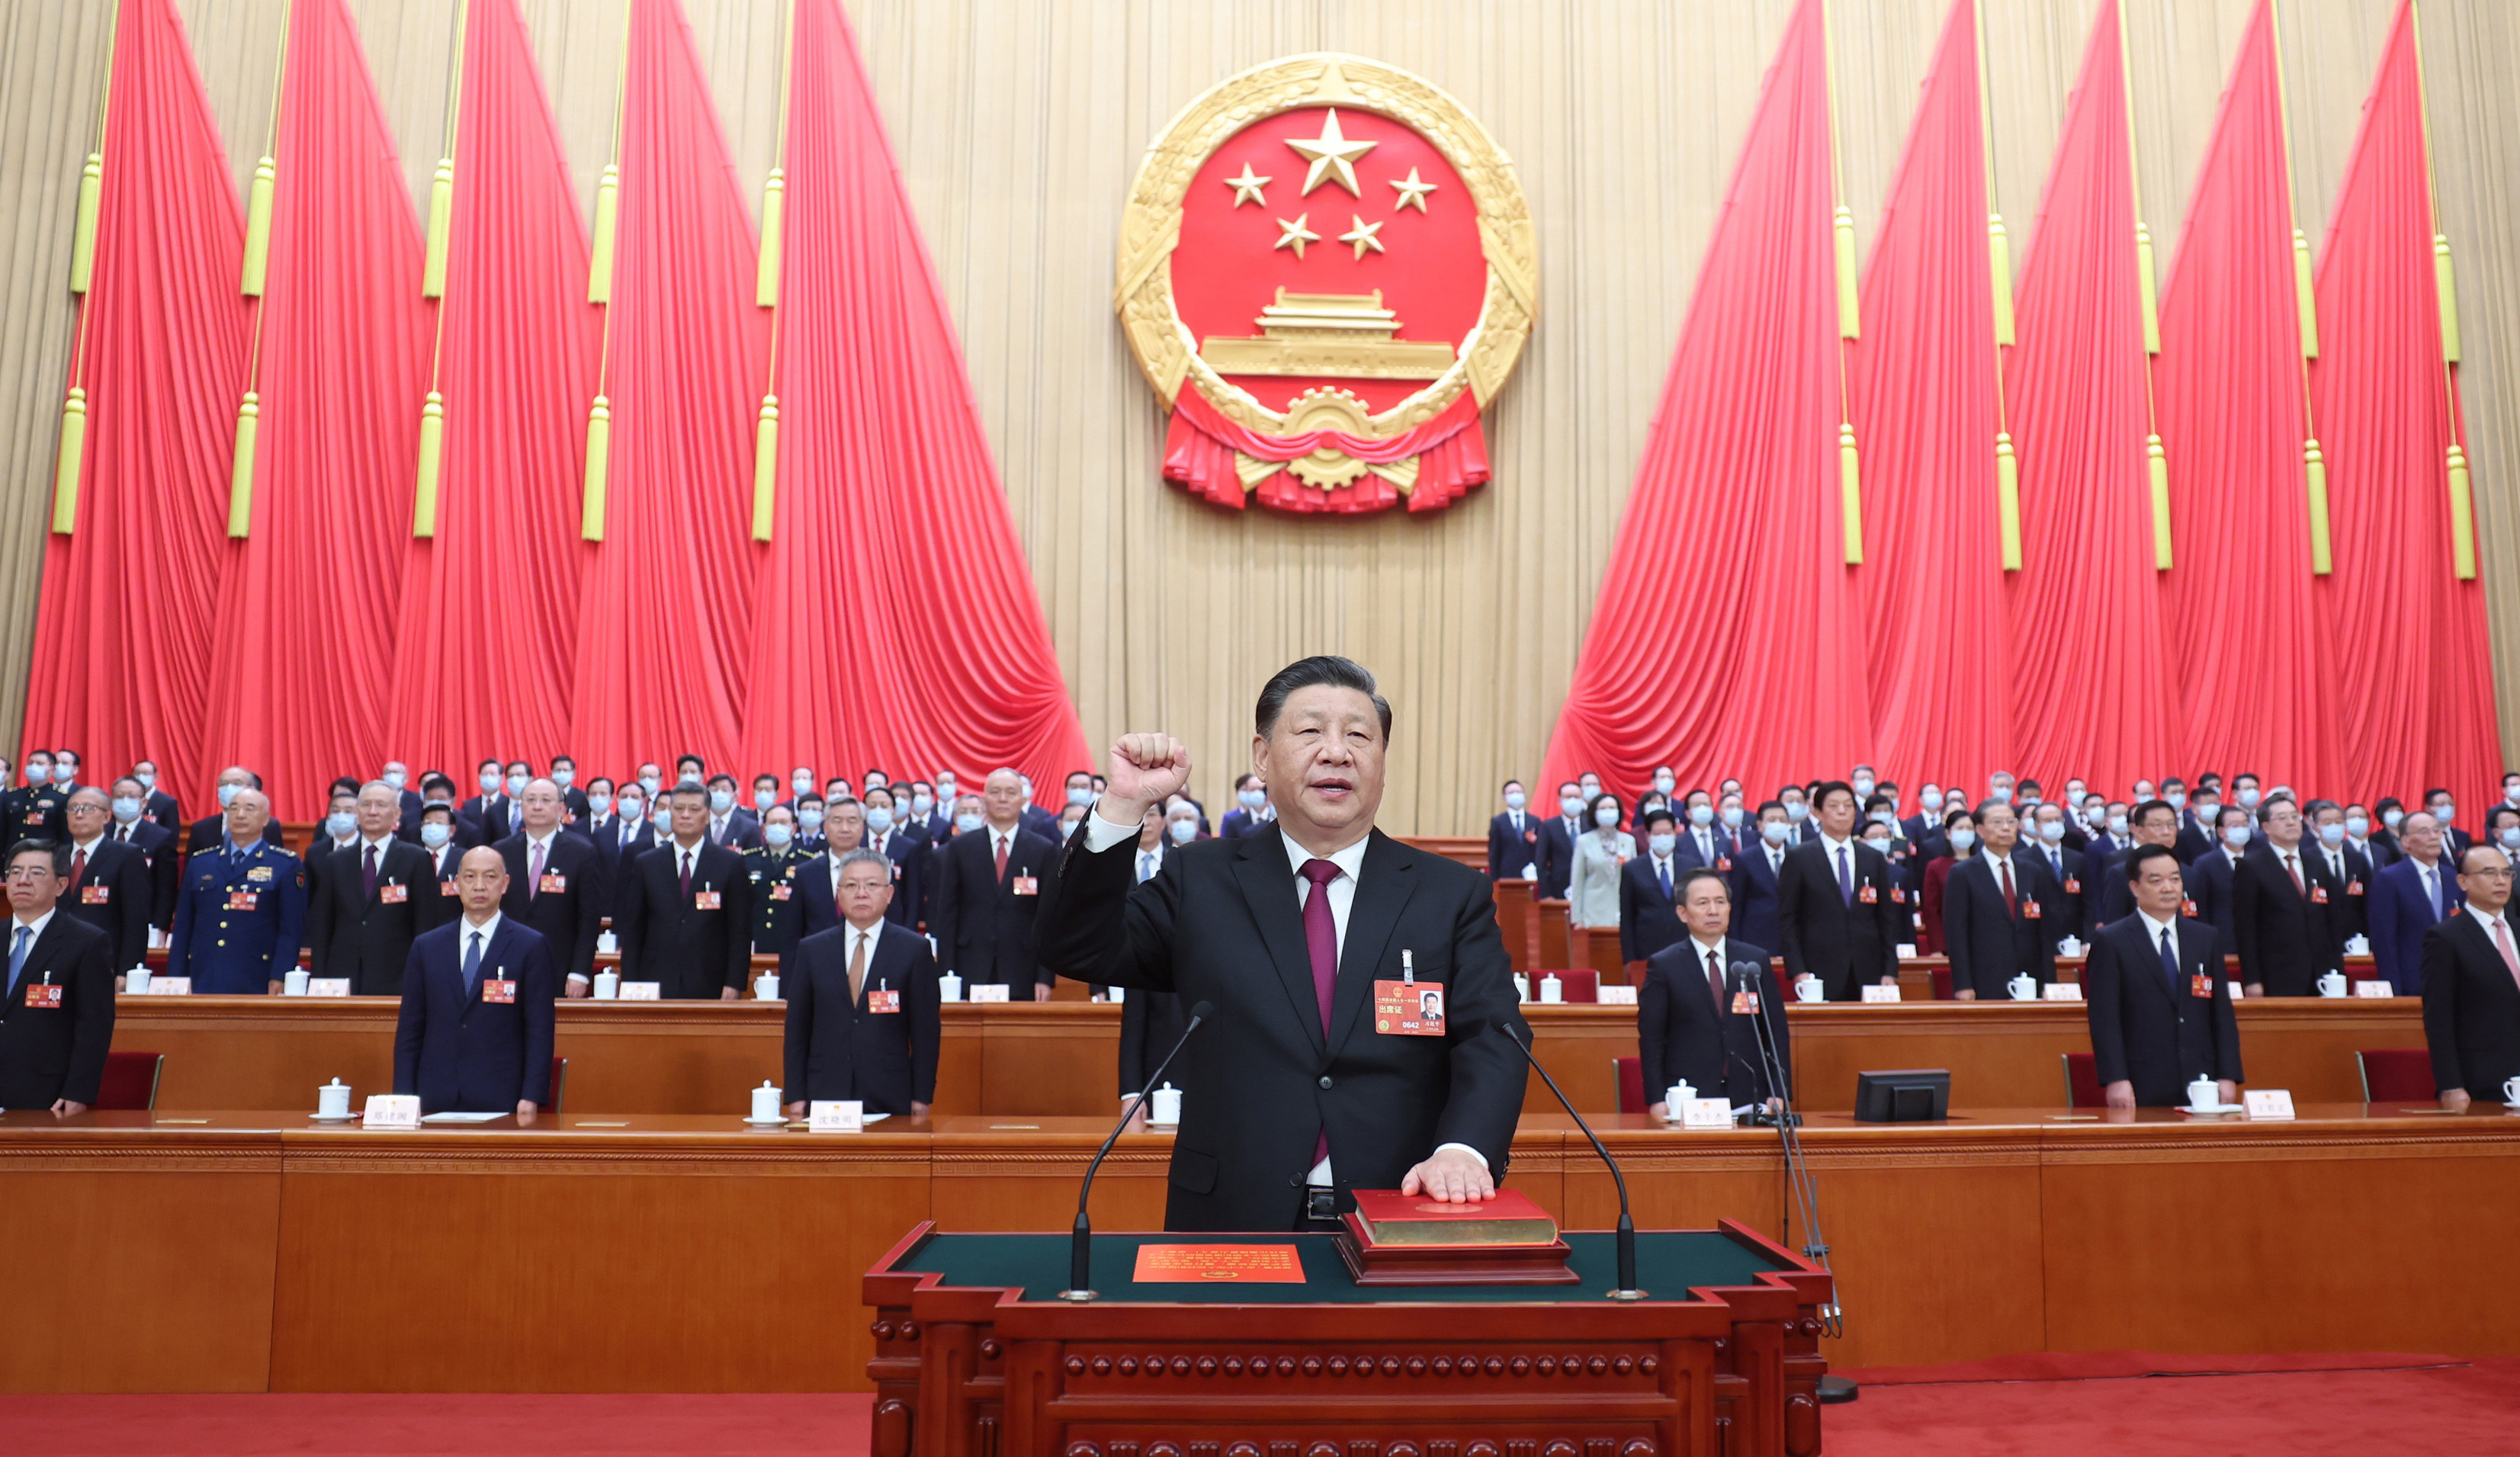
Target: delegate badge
(1409,1009)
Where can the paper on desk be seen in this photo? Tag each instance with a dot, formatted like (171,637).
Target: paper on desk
(461,1117)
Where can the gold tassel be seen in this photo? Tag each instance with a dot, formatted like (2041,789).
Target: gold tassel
(432,446)
(2156,466)
(608,217)
(1849,316)
(2007,499)
(2314,466)
(441,222)
(66,471)
(2462,518)
(599,455)
(240,480)
(2448,285)
(1850,494)
(2151,297)
(765,467)
(774,215)
(257,226)
(83,236)
(1999,268)
(2306,293)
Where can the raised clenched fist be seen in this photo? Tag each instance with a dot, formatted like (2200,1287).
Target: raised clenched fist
(1146,769)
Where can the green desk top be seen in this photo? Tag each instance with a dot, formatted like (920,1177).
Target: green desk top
(1668,1263)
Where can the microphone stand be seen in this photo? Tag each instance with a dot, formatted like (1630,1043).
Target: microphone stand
(1831,1389)
(1080,1249)
(1626,1238)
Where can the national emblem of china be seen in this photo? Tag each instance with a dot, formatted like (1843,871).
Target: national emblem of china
(1326,272)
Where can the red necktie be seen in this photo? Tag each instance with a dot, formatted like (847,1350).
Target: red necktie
(1001,856)
(2292,868)
(79,868)
(2011,905)
(1320,947)
(686,872)
(1715,979)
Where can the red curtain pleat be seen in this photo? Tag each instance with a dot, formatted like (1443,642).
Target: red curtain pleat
(2091,688)
(1728,637)
(121,666)
(308,608)
(2229,385)
(880,446)
(517,368)
(667,615)
(1923,381)
(2412,693)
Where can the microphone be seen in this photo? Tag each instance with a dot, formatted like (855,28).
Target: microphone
(1627,1235)
(1080,1250)
(1740,977)
(1797,1171)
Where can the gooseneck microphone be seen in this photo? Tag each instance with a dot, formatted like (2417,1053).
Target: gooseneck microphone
(1627,1235)
(1797,1171)
(1080,1250)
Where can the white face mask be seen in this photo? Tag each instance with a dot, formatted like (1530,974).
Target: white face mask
(651,782)
(2236,836)
(599,803)
(395,779)
(762,800)
(1732,816)
(1513,799)
(921,805)
(1571,806)
(1701,815)
(563,776)
(515,784)
(1964,838)
(1798,811)
(811,819)
(2391,817)
(2447,813)
(2331,836)
(634,810)
(126,809)
(340,824)
(721,800)
(1775,831)
(1606,816)
(2117,826)
(149,781)
(2002,796)
(1183,832)
(1863,789)
(434,834)
(489,781)
(2511,837)
(1081,796)
(1664,784)
(2358,826)
(2052,830)
(2249,798)
(967,822)
(228,793)
(64,773)
(803,784)
(777,837)
(1663,844)
(878,819)
(2176,799)
(1930,801)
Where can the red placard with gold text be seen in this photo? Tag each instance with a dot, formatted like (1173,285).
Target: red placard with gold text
(1218,1264)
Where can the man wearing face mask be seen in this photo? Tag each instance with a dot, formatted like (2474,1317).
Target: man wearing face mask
(2205,812)
(686,912)
(2247,793)
(1907,877)
(1834,906)
(131,826)
(242,908)
(2345,875)
(633,832)
(776,872)
(989,889)
(2209,880)
(1736,834)
(1252,811)
(2280,916)
(1558,834)
(812,809)
(1702,842)
(1798,812)
(206,832)
(485,815)
(800,782)
(556,884)
(1513,836)
(338,829)
(765,796)
(884,837)
(439,899)
(2360,833)
(363,899)
(2454,841)
(597,822)
(2076,896)
(1925,828)
(1649,890)
(156,804)
(935,818)
(109,885)
(1757,870)
(36,810)
(1997,907)
(730,824)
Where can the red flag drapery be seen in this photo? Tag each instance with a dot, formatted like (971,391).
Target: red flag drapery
(2412,693)
(667,615)
(304,640)
(1728,638)
(1923,381)
(2231,394)
(121,666)
(517,365)
(880,444)
(2091,685)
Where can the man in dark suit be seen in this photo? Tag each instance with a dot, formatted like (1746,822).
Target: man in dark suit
(242,910)
(476,1029)
(730,824)
(1996,909)
(1252,811)
(686,912)
(1558,835)
(1834,910)
(575,807)
(2280,909)
(2378,848)
(1648,890)
(209,832)
(2471,985)
(156,804)
(989,888)
(1694,1012)
(485,815)
(1703,842)
(2345,875)
(883,835)
(2151,822)
(2045,844)
(1758,871)
(2199,829)
(35,811)
(440,899)
(1297,1097)
(363,901)
(109,885)
(862,1004)
(633,832)
(57,1005)
(2407,900)
(154,842)
(1513,837)
(773,874)
(2439,803)
(2159,1006)
(2213,876)
(407,800)
(556,884)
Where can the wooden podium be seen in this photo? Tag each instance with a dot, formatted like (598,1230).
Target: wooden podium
(976,1356)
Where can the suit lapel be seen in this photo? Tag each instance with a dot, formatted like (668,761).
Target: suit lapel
(1384,886)
(1267,884)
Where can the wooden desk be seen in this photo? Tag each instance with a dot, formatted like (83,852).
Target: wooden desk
(1027,1060)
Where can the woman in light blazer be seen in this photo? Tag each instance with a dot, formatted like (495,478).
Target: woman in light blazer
(1593,894)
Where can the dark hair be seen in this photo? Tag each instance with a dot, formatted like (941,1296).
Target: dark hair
(2245,774)
(2173,779)
(1663,814)
(1693,875)
(604,780)
(1962,815)
(2266,807)
(1317,672)
(1778,805)
(2030,786)
(2391,803)
(1821,791)
(1593,810)
(2148,806)
(558,760)
(2493,817)
(58,856)
(1501,789)
(2226,812)
(2136,861)
(717,779)
(684,787)
(438,806)
(681,759)
(486,765)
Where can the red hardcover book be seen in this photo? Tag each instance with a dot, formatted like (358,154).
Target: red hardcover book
(1388,1217)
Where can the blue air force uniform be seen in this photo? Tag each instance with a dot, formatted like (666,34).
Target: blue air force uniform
(238,920)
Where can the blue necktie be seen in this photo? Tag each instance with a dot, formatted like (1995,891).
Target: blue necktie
(18,958)
(1845,878)
(472,963)
(1664,870)
(2170,962)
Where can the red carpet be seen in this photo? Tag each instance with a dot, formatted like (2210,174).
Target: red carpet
(353,1426)
(2104,1365)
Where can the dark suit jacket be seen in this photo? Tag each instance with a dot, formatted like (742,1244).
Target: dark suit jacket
(1221,922)
(51,1053)
(1988,944)
(38,814)
(1556,857)
(460,1053)
(2349,896)
(435,890)
(569,915)
(487,816)
(838,1050)
(2146,1032)
(1511,852)
(1150,1023)
(665,935)
(362,937)
(1684,1033)
(1240,822)
(2381,852)
(2212,883)
(1846,945)
(2075,894)
(984,931)
(1647,921)
(909,857)
(2195,837)
(2400,913)
(2281,932)
(2471,1008)
(155,843)
(743,830)
(617,859)
(120,874)
(1754,898)
(407,829)
(162,810)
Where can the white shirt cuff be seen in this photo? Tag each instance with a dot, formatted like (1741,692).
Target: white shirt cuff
(578,977)
(1101,834)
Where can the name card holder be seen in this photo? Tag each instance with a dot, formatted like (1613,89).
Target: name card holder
(170,986)
(1881,993)
(2061,991)
(2233,988)
(2271,1103)
(1618,996)
(329,986)
(990,992)
(2380,990)
(1707,1112)
(643,991)
(836,1117)
(391,1110)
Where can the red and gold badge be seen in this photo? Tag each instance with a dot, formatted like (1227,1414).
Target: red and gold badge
(1336,259)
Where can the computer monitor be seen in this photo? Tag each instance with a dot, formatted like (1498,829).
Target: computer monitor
(1917,1095)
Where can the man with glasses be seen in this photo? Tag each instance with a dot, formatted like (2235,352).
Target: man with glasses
(57,1013)
(2279,900)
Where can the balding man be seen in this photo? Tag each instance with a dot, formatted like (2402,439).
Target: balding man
(557,883)
(989,885)
(477,996)
(210,830)
(108,883)
(242,909)
(364,898)
(2472,985)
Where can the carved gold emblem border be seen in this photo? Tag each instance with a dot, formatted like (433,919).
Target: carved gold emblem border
(1150,229)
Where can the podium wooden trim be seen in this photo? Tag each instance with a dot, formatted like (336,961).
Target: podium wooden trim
(971,1371)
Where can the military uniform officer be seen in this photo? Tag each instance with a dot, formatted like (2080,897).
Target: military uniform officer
(38,810)
(771,868)
(242,909)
